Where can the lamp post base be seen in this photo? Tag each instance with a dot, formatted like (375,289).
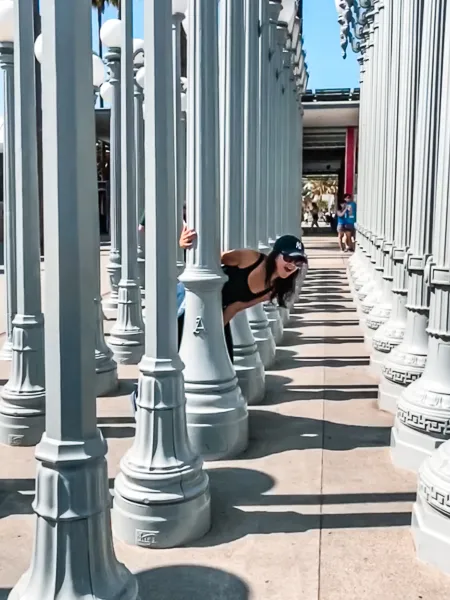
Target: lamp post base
(263,334)
(73,553)
(431,512)
(409,448)
(127,335)
(273,316)
(221,432)
(247,362)
(151,525)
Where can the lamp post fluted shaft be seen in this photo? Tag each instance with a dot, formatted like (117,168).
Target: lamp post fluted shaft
(179,133)
(161,495)
(127,335)
(73,548)
(431,512)
(217,416)
(257,317)
(263,113)
(268,194)
(112,59)
(382,310)
(382,116)
(409,441)
(140,174)
(9,194)
(392,333)
(22,405)
(248,365)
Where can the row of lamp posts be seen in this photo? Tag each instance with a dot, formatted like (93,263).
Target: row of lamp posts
(190,405)
(400,273)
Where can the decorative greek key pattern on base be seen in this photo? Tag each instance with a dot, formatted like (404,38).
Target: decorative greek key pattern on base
(439,500)
(146,538)
(373,324)
(401,377)
(420,422)
(383,345)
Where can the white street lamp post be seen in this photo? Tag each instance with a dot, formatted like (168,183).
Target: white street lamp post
(73,555)
(22,404)
(110,34)
(9,191)
(127,334)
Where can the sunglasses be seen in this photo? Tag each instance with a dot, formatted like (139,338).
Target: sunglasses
(298,261)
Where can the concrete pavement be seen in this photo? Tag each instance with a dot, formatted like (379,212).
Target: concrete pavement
(313,510)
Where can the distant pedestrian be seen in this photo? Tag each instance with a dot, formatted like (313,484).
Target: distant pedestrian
(350,220)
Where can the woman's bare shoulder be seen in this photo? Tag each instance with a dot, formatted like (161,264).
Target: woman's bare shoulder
(248,257)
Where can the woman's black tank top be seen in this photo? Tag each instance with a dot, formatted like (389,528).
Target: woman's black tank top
(236,289)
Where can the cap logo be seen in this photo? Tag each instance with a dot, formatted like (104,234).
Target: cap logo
(298,245)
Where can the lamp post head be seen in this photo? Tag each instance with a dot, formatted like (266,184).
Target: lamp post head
(106,92)
(98,71)
(179,8)
(140,77)
(111,33)
(7,21)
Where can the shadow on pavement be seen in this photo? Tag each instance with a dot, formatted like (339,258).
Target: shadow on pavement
(233,489)
(297,320)
(281,393)
(272,433)
(298,362)
(186,582)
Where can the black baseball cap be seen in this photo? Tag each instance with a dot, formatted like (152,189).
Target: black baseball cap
(289,245)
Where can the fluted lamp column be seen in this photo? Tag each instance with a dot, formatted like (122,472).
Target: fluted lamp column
(110,34)
(105,365)
(247,362)
(255,34)
(179,124)
(431,512)
(406,363)
(257,317)
(382,310)
(9,189)
(216,410)
(73,554)
(390,335)
(423,410)
(270,63)
(161,495)
(22,403)
(127,334)
(139,78)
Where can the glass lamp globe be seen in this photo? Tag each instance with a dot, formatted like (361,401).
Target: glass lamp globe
(98,70)
(111,33)
(106,92)
(7,21)
(287,12)
(38,48)
(140,77)
(179,7)
(138,44)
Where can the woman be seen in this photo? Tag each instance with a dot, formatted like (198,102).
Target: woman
(254,278)
(343,233)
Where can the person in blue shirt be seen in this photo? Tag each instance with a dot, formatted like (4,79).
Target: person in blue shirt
(350,220)
(343,233)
